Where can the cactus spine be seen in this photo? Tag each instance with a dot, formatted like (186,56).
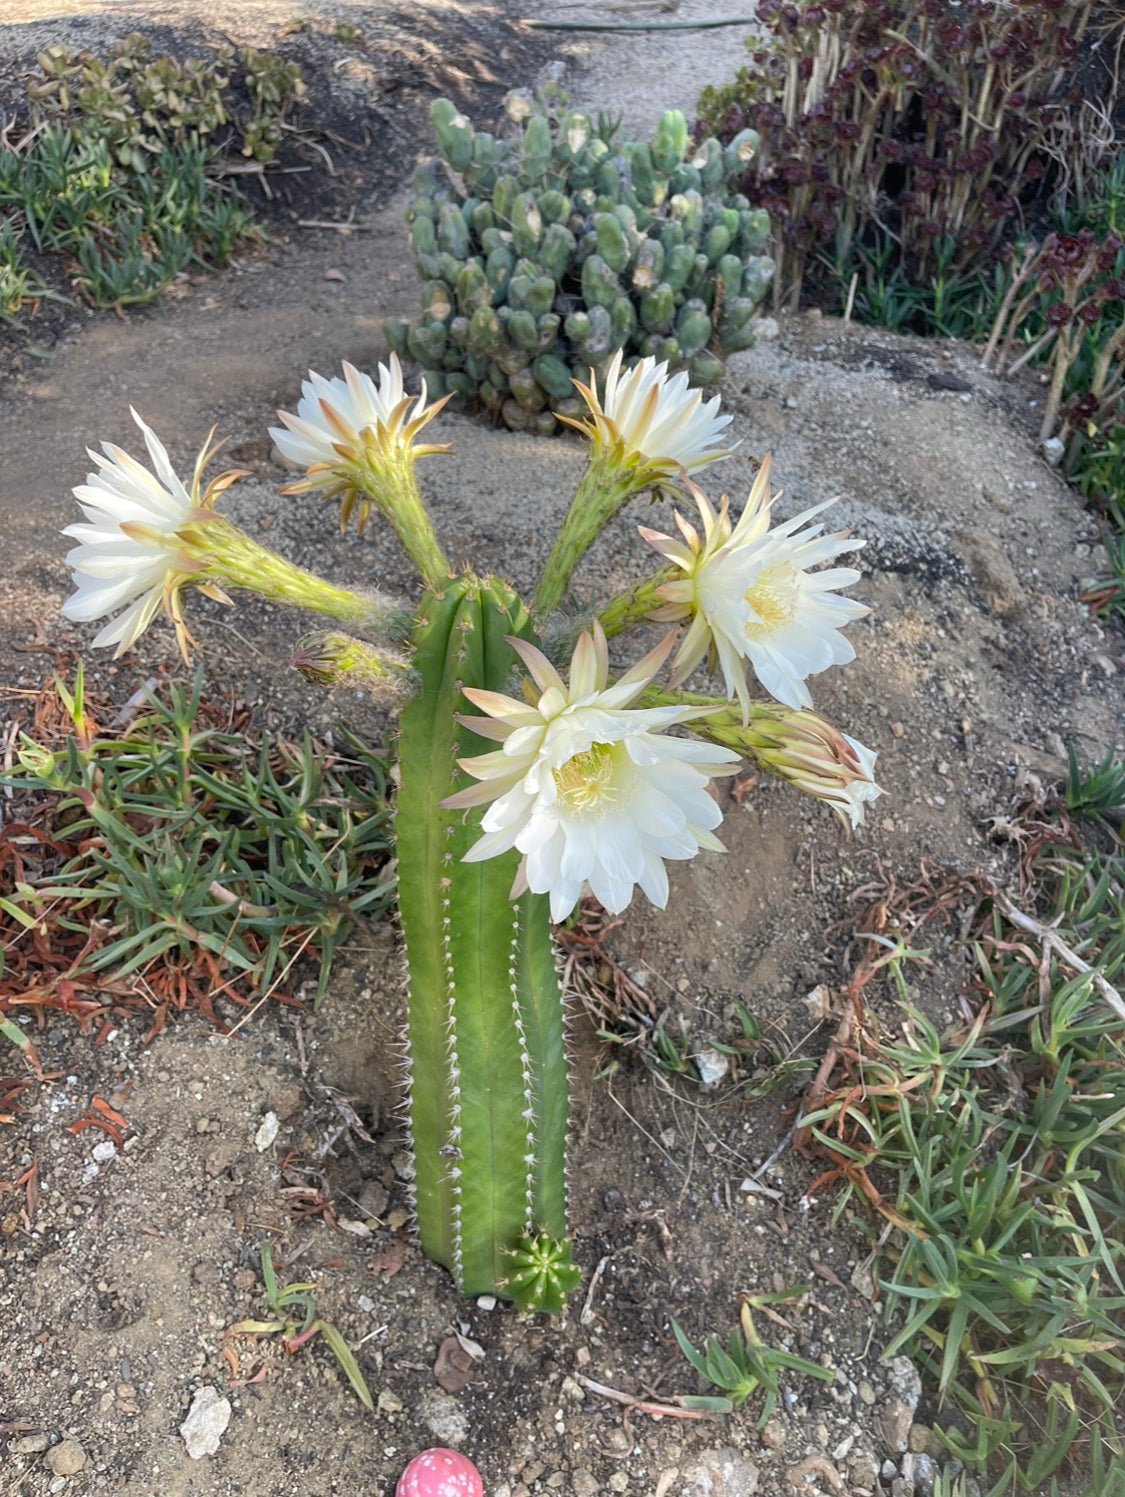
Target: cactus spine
(488,1098)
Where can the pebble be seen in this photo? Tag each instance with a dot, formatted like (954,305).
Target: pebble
(267,1132)
(389,1403)
(866,1392)
(993,574)
(905,1381)
(66,1458)
(923,1440)
(724,1472)
(105,1151)
(206,1422)
(712,1066)
(444,1417)
(774,1435)
(30,1444)
(584,1483)
(373,1200)
(925,1474)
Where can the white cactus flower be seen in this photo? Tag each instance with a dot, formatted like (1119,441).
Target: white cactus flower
(346,430)
(130,551)
(586,785)
(751,596)
(658,422)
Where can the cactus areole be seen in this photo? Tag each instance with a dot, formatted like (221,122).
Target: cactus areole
(488,1092)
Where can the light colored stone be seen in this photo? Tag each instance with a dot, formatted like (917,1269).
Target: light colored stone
(267,1132)
(30,1444)
(712,1066)
(66,1458)
(724,1472)
(904,1381)
(925,1474)
(774,1434)
(922,1440)
(444,1417)
(206,1422)
(389,1403)
(894,1424)
(993,574)
(863,1469)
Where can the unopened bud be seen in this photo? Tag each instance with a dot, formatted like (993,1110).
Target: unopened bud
(338,660)
(803,748)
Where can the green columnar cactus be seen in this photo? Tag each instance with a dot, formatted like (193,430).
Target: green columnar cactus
(587,789)
(488,1099)
(576,251)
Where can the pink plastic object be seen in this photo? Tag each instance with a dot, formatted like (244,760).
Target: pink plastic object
(440,1473)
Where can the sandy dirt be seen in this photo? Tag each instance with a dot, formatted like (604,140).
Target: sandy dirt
(976,665)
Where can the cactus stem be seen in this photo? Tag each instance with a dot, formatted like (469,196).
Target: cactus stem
(604,487)
(635,606)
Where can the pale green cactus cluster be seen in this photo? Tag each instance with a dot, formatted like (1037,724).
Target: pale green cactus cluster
(545,254)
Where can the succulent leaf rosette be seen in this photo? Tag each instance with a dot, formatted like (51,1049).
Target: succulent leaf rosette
(516,799)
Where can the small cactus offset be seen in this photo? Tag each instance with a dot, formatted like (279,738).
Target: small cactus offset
(545,254)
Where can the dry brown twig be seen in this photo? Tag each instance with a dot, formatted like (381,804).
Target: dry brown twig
(1054,942)
(673,1410)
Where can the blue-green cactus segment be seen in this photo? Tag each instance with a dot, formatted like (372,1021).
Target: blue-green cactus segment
(557,222)
(488,1103)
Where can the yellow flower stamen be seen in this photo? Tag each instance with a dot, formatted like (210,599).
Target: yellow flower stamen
(585,783)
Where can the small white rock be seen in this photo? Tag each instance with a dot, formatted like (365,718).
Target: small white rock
(356,1228)
(819,1002)
(206,1422)
(486,1302)
(105,1151)
(366,1303)
(1053,451)
(267,1132)
(712,1066)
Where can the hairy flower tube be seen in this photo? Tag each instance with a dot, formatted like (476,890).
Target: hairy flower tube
(356,439)
(586,785)
(801,747)
(331,659)
(147,537)
(751,596)
(647,430)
